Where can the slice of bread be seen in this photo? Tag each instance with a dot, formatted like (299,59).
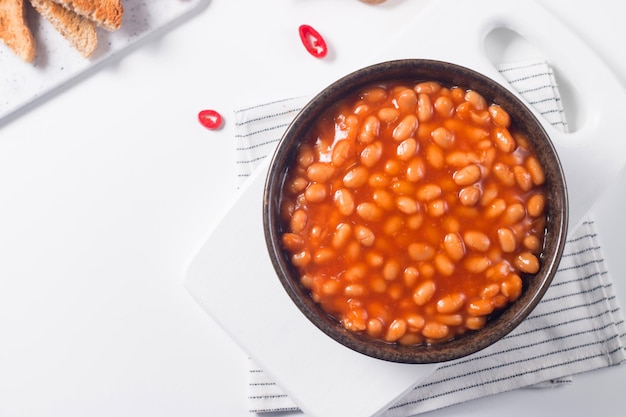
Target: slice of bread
(105,13)
(78,30)
(14,30)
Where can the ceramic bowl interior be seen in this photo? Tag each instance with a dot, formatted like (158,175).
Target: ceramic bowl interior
(448,74)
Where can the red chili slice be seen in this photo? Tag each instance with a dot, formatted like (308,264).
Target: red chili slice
(313,41)
(210,119)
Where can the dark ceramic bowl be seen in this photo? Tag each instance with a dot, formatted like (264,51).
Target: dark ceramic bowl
(500,323)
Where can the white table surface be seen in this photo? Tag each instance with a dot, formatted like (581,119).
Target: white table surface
(108,188)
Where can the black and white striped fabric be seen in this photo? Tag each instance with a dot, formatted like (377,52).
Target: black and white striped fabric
(577,327)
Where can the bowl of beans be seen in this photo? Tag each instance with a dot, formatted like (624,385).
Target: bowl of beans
(415,211)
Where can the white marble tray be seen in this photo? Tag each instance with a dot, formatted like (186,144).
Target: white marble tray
(57,62)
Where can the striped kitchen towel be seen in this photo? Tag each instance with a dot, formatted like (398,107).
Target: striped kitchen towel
(577,327)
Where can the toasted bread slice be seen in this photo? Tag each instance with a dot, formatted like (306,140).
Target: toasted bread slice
(78,30)
(14,30)
(105,13)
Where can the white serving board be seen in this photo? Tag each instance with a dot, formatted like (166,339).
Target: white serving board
(57,62)
(232,276)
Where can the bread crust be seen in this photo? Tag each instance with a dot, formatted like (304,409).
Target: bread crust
(78,30)
(105,13)
(14,29)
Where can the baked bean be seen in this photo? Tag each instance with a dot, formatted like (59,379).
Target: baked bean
(477,264)
(427,87)
(369,130)
(443,106)
(342,235)
(324,255)
(356,273)
(481,117)
(475,323)
(407,205)
(374,328)
(476,240)
(405,128)
(443,264)
(514,213)
(410,276)
(495,208)
(504,174)
(468,175)
(391,207)
(383,199)
(415,170)
(343,152)
(442,137)
(424,293)
(393,225)
(393,167)
(454,246)
(396,330)
(489,194)
(378,180)
(320,172)
(306,156)
(526,262)
(414,221)
(301,259)
(428,192)
(511,287)
(374,259)
(316,193)
(490,291)
(421,251)
(504,140)
(356,177)
(476,100)
(480,307)
(371,154)
(391,270)
(435,157)
(411,339)
(292,241)
(535,170)
(535,205)
(469,196)
(344,201)
(532,243)
(297,185)
(402,187)
(424,108)
(388,114)
(522,177)
(298,221)
(451,303)
(374,95)
(364,235)
(499,116)
(406,149)
(435,330)
(436,208)
(507,240)
(355,290)
(415,322)
(369,211)
(407,100)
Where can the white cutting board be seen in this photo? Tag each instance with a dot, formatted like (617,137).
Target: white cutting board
(57,63)
(232,276)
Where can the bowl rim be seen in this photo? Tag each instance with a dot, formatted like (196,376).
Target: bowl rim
(507,319)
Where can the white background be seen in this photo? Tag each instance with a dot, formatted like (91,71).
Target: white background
(108,188)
